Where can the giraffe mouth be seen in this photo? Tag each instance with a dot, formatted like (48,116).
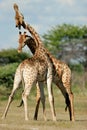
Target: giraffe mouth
(19,51)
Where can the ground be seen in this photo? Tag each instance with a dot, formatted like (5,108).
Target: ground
(15,118)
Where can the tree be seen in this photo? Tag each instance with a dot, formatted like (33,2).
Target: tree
(61,34)
(11,55)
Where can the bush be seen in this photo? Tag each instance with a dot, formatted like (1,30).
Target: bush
(11,56)
(9,60)
(7,74)
(78,68)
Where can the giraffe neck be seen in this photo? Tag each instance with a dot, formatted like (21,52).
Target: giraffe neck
(31,44)
(35,35)
(39,44)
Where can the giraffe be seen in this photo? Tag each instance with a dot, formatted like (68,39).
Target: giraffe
(62,73)
(37,68)
(61,77)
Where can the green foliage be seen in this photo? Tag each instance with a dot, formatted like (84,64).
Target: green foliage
(11,56)
(62,33)
(78,68)
(9,60)
(7,74)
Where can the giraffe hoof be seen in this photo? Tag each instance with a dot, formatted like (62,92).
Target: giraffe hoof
(54,119)
(45,119)
(35,118)
(73,120)
(3,117)
(26,119)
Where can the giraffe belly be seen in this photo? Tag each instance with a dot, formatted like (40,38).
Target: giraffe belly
(42,73)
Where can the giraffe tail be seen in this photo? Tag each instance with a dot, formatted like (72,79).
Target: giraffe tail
(67,101)
(66,108)
(21,103)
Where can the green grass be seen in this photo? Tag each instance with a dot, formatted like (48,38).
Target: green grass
(15,118)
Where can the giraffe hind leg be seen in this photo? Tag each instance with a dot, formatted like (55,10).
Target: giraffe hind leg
(67,101)
(25,95)
(17,81)
(69,105)
(68,95)
(7,107)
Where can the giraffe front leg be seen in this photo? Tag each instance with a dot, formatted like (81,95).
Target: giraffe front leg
(69,104)
(51,98)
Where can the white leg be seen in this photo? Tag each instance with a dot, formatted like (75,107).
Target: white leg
(17,81)
(9,102)
(51,98)
(7,107)
(24,97)
(49,86)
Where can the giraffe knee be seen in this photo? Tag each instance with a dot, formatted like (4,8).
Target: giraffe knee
(51,99)
(24,95)
(72,96)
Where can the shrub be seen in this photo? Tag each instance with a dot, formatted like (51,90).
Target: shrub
(7,74)
(11,56)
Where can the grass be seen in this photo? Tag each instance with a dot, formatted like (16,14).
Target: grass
(15,118)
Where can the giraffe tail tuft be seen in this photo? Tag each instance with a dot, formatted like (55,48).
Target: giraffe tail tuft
(21,103)
(67,101)
(66,108)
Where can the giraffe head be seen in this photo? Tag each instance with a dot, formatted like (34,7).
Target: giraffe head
(23,40)
(19,18)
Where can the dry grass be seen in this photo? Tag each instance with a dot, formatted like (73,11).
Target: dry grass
(15,118)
